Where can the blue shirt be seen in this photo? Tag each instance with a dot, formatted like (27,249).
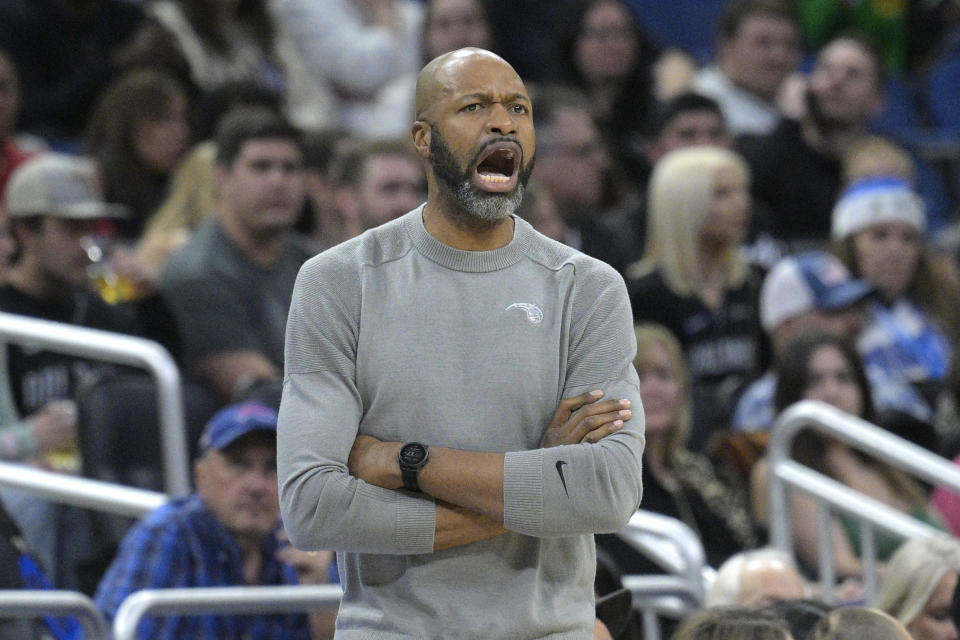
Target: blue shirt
(179,545)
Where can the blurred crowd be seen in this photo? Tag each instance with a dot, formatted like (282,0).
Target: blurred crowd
(778,181)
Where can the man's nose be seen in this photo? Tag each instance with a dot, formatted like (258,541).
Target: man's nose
(500,120)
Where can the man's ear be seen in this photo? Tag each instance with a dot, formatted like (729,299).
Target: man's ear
(421,138)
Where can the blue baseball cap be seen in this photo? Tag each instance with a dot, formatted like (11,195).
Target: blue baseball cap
(230,424)
(808,281)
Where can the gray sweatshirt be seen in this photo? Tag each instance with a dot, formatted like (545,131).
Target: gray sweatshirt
(399,336)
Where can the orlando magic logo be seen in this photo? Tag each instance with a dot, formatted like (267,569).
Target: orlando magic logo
(532,311)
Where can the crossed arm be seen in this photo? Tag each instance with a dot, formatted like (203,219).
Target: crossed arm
(468,485)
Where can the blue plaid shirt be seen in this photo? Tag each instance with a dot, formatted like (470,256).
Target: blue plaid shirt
(179,545)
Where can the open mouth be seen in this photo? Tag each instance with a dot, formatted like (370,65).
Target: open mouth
(498,167)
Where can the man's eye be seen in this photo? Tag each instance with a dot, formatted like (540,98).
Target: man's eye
(472,107)
(519,108)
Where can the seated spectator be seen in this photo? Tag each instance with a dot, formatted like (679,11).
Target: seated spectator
(756,578)
(797,167)
(20,569)
(189,199)
(605,53)
(138,133)
(378,180)
(813,290)
(686,120)
(732,623)
(225,534)
(574,165)
(229,287)
(824,367)
(918,586)
(757,48)
(878,232)
(209,45)
(54,203)
(353,50)
(857,623)
(676,481)
(694,280)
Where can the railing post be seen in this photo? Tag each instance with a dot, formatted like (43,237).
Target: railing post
(120,349)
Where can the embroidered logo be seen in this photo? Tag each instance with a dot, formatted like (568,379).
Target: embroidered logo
(532,311)
(559,465)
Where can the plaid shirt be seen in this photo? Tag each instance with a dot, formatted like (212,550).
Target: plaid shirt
(181,544)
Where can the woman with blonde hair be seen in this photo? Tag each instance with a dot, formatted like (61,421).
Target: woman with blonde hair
(676,481)
(918,586)
(694,280)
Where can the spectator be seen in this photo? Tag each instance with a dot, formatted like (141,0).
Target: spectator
(65,53)
(797,167)
(808,291)
(377,181)
(757,48)
(574,165)
(732,623)
(209,45)
(447,25)
(676,481)
(686,120)
(878,231)
(225,534)
(605,53)
(694,281)
(756,579)
(353,49)
(138,133)
(229,287)
(54,203)
(824,367)
(918,585)
(857,623)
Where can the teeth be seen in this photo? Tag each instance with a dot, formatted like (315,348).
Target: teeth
(490,177)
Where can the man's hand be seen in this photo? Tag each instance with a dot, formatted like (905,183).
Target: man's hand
(585,418)
(375,462)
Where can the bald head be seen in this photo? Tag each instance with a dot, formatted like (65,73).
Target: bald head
(438,76)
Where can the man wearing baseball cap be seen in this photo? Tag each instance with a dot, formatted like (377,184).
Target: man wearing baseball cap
(809,291)
(54,203)
(224,534)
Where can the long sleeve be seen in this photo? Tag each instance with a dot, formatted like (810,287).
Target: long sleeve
(323,506)
(586,488)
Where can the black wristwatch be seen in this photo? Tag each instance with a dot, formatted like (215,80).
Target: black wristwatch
(412,457)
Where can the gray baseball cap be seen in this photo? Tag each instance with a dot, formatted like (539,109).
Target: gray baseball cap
(59,185)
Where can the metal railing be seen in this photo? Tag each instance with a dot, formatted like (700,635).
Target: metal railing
(81,492)
(36,604)
(675,548)
(223,600)
(121,349)
(831,496)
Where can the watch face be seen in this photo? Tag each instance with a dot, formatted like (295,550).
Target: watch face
(412,454)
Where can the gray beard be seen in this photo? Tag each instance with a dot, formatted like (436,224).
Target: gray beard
(481,207)
(487,207)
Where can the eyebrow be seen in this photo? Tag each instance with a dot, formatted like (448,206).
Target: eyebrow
(486,96)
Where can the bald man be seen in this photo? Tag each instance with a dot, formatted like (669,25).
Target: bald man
(424,365)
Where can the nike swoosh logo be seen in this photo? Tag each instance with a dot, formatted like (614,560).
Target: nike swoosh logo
(560,464)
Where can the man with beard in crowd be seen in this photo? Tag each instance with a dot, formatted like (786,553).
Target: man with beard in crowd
(425,360)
